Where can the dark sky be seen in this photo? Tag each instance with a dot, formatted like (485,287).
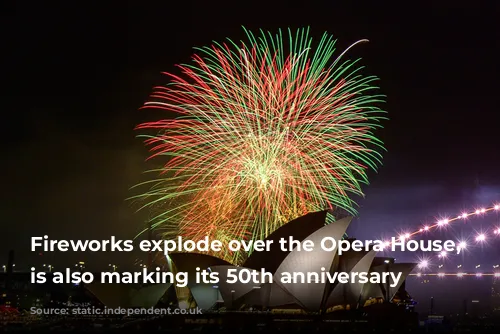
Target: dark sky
(73,78)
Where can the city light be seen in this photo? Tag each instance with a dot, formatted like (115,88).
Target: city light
(443,222)
(80,265)
(462,245)
(423,264)
(49,266)
(481,237)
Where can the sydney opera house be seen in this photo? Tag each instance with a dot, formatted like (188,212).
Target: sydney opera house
(317,298)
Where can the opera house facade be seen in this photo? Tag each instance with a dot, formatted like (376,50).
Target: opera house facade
(276,296)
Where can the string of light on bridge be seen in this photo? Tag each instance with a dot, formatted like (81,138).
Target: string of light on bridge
(446,221)
(456,274)
(462,245)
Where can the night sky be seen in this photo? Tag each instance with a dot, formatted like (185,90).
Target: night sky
(73,78)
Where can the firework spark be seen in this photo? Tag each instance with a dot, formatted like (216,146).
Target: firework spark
(263,134)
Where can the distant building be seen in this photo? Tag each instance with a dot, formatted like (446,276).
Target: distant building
(17,291)
(278,297)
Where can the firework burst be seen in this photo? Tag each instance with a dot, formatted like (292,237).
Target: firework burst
(263,134)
